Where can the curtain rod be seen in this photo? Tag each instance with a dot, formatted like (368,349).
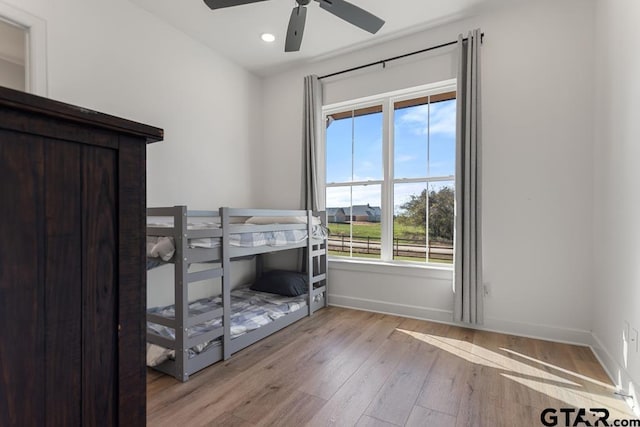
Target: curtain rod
(384,61)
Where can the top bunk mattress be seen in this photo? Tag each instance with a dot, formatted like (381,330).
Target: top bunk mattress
(243,236)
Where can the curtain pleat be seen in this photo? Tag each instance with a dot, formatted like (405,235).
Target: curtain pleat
(312,117)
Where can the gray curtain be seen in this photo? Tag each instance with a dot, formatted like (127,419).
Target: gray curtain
(312,118)
(468,288)
(311,122)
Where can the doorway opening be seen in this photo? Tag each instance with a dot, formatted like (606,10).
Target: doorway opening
(13,56)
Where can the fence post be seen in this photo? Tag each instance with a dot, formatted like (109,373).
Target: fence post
(342,247)
(367,245)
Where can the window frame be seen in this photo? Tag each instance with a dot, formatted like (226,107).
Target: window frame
(387,101)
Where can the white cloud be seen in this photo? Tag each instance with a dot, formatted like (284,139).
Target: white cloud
(338,197)
(443,119)
(405,158)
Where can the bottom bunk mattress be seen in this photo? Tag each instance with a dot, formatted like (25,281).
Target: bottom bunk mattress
(249,310)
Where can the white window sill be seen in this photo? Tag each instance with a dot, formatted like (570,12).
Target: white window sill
(431,271)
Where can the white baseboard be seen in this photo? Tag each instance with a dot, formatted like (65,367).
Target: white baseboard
(411,311)
(529,330)
(618,374)
(539,331)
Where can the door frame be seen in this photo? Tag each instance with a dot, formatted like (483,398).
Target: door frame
(36,45)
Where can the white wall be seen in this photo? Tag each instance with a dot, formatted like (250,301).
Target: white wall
(538,146)
(117,58)
(617,199)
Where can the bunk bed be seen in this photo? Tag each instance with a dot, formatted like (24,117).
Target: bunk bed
(188,336)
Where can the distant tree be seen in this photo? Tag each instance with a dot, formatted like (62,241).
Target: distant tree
(441,214)
(414,211)
(441,204)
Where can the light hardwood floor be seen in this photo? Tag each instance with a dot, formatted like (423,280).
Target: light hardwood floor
(353,368)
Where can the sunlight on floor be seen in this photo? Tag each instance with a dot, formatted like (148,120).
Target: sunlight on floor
(558,383)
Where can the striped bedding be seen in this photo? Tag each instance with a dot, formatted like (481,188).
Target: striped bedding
(249,310)
(163,247)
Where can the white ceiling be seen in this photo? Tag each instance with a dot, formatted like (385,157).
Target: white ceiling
(235,32)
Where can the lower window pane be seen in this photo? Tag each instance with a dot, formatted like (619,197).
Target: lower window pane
(441,202)
(409,222)
(354,215)
(412,219)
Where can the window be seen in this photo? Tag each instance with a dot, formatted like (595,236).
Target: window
(390,165)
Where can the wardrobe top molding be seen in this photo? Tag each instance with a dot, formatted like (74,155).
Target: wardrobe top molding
(49,107)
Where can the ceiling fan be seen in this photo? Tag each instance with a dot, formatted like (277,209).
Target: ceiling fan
(340,8)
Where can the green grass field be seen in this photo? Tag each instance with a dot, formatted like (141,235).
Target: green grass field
(363,230)
(372,230)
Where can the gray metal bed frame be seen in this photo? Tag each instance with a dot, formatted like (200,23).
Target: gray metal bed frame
(316,268)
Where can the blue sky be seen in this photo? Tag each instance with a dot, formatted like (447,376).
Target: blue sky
(424,146)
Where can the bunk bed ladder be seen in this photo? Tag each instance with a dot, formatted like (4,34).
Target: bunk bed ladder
(317,264)
(181,288)
(310,263)
(226,284)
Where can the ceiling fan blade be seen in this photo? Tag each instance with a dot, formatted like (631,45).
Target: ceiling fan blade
(295,29)
(219,4)
(352,14)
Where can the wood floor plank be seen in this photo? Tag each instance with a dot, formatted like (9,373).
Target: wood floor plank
(296,410)
(367,421)
(396,398)
(446,384)
(332,374)
(346,367)
(348,404)
(421,417)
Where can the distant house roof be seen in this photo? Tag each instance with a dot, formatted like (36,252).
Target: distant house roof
(335,211)
(360,210)
(356,210)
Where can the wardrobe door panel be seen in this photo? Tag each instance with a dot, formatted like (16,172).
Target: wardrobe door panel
(63,284)
(131,204)
(100,285)
(21,281)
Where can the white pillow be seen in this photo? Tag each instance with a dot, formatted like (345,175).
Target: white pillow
(164,248)
(265,220)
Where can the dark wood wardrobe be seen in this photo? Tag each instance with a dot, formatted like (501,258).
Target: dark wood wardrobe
(72,264)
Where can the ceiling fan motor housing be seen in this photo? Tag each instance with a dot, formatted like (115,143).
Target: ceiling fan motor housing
(303,2)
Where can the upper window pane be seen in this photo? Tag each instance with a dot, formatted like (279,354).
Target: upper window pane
(339,154)
(411,132)
(424,136)
(367,147)
(442,138)
(354,145)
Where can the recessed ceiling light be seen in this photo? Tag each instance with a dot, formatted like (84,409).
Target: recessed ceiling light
(267,37)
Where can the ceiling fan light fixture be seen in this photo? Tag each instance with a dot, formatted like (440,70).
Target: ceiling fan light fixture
(267,37)
(340,8)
